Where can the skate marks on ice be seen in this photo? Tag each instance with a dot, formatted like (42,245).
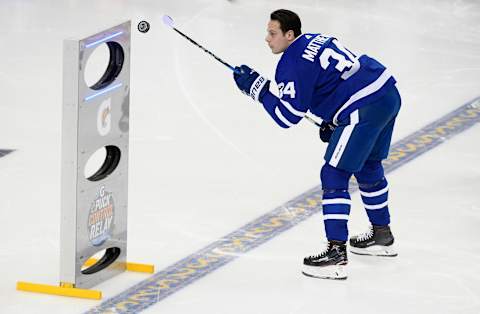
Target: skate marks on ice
(221,252)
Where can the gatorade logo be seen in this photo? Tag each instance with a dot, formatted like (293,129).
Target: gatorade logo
(104,117)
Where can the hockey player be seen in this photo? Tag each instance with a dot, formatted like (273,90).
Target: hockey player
(357,99)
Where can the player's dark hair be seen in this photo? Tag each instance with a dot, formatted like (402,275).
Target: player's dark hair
(288,21)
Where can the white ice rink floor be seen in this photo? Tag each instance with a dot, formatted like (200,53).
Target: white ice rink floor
(205,161)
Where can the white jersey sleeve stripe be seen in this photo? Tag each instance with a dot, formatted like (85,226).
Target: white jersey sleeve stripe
(290,108)
(280,116)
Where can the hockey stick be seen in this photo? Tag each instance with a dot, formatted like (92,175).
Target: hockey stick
(311,120)
(167,20)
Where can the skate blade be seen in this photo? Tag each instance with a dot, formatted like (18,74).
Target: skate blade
(375,250)
(337,272)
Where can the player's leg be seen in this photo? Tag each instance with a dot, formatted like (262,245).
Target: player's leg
(378,240)
(330,262)
(351,144)
(348,148)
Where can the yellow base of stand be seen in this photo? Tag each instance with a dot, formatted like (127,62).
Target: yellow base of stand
(135,267)
(69,290)
(63,290)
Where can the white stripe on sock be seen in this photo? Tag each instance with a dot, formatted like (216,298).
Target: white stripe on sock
(335,216)
(376,206)
(376,193)
(331,201)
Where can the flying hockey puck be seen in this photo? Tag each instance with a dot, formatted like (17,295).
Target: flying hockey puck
(143,26)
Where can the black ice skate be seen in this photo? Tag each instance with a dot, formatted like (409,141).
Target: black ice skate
(330,264)
(378,241)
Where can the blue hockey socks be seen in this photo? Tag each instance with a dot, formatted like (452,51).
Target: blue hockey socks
(374,191)
(335,202)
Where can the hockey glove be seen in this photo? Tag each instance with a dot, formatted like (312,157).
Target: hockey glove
(326,130)
(250,82)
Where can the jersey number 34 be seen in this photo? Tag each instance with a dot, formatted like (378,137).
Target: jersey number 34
(288,89)
(348,65)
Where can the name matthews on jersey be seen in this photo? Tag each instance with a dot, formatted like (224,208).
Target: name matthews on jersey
(313,47)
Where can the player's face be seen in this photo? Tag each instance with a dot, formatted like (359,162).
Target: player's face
(276,39)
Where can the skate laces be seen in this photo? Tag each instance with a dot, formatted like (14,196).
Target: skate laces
(322,254)
(365,236)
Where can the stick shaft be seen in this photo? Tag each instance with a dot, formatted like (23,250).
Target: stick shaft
(311,120)
(224,63)
(206,50)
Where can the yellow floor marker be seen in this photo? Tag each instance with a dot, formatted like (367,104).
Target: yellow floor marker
(135,267)
(66,290)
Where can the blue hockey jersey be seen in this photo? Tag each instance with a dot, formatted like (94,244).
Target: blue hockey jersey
(317,74)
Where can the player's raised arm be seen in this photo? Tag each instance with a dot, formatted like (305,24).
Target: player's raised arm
(285,110)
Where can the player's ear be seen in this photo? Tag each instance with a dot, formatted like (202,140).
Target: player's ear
(290,35)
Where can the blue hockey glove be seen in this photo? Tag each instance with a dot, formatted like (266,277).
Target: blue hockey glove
(326,130)
(250,82)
